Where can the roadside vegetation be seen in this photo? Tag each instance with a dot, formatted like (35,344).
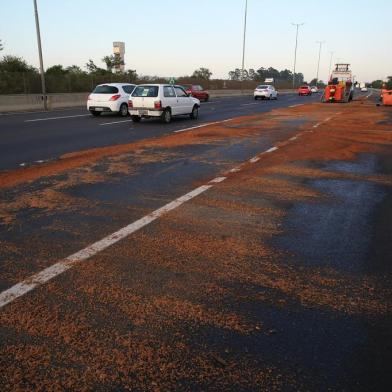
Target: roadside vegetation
(19,77)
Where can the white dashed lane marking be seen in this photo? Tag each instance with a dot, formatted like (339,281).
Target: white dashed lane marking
(202,125)
(57,118)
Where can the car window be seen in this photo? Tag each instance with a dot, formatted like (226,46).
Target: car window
(180,92)
(262,87)
(168,91)
(198,88)
(104,89)
(145,91)
(128,89)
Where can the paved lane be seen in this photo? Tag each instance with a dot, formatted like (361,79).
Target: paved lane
(27,138)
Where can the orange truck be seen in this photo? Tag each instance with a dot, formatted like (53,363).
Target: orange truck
(387,97)
(340,86)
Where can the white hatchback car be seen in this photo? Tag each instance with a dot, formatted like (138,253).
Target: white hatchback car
(265,92)
(163,101)
(110,97)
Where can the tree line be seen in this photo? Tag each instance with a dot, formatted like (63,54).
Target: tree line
(262,73)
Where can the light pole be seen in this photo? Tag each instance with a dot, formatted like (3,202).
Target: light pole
(41,62)
(330,65)
(319,55)
(295,51)
(243,46)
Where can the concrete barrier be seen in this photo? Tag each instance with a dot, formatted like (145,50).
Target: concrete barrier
(27,102)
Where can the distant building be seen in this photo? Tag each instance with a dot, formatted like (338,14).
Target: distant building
(119,50)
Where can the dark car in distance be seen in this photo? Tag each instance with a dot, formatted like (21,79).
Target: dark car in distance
(197,91)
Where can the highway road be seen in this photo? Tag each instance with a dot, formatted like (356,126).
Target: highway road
(249,250)
(31,137)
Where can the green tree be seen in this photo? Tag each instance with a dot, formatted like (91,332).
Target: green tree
(388,84)
(202,73)
(117,61)
(108,60)
(15,64)
(235,75)
(56,70)
(131,75)
(91,67)
(74,69)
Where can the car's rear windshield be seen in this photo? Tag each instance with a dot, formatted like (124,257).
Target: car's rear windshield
(145,91)
(304,87)
(262,87)
(104,89)
(128,88)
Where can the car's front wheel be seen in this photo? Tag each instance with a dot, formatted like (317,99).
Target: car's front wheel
(123,110)
(95,114)
(195,113)
(166,116)
(256,98)
(136,119)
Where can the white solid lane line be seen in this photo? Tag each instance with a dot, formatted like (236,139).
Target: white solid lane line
(272,149)
(202,125)
(248,104)
(295,106)
(49,273)
(57,118)
(217,180)
(116,122)
(29,284)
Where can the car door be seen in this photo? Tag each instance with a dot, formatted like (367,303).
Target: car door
(170,99)
(184,103)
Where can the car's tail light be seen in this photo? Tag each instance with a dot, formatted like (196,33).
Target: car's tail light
(130,104)
(115,97)
(157,105)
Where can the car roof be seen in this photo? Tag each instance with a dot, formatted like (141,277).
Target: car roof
(116,84)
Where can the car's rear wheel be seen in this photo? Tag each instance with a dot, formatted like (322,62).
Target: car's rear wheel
(136,119)
(166,116)
(195,113)
(256,98)
(206,98)
(95,114)
(123,110)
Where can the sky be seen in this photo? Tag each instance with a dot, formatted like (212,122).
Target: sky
(175,37)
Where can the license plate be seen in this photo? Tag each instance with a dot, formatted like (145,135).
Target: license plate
(143,112)
(98,109)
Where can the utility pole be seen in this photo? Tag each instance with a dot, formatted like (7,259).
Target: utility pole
(243,47)
(41,62)
(330,65)
(295,51)
(319,55)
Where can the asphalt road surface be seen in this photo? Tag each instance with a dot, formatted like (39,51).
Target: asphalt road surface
(31,137)
(252,253)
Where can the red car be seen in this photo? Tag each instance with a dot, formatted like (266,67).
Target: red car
(197,91)
(304,90)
